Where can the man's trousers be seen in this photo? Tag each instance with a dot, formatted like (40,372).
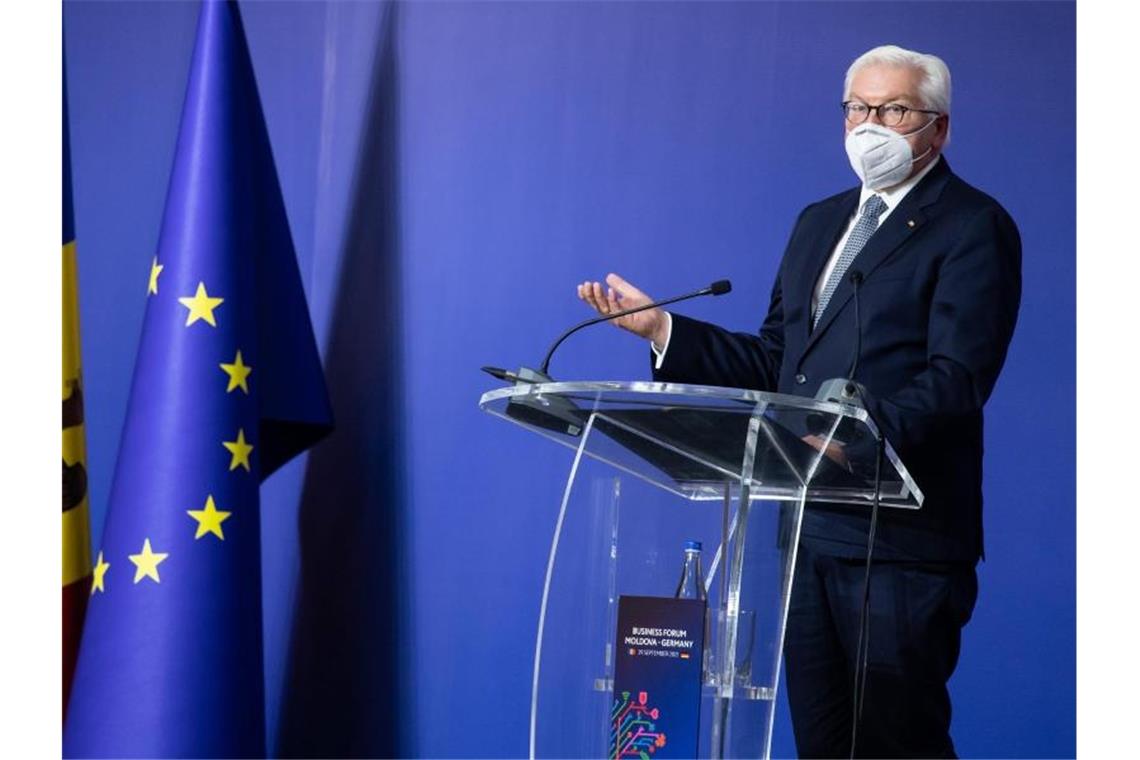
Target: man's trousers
(916,613)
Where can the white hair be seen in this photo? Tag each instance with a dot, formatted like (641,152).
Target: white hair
(933,86)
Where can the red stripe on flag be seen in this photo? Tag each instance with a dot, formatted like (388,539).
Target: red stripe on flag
(75,597)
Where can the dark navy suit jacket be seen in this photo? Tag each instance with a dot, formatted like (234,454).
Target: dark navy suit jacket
(938,302)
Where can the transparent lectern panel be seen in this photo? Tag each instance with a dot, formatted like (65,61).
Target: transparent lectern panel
(616,536)
(693,429)
(659,464)
(625,536)
(574,651)
(837,454)
(754,614)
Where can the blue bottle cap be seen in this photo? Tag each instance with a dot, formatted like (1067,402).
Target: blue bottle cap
(692,546)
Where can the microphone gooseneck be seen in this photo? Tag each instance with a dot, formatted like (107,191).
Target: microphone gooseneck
(856,280)
(863,647)
(718,288)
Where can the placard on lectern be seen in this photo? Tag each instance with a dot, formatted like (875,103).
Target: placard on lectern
(656,465)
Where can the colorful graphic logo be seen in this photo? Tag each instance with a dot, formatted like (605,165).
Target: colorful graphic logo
(633,728)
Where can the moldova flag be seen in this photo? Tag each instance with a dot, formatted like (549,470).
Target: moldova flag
(227,387)
(76,524)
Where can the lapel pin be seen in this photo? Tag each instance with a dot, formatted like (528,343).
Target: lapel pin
(910,223)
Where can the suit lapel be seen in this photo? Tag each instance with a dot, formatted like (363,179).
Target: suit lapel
(821,247)
(907,219)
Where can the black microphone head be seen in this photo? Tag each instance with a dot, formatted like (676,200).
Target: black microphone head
(720,287)
(856,278)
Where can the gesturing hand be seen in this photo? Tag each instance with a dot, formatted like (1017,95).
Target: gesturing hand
(651,323)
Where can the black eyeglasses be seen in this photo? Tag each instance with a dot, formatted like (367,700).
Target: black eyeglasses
(890,114)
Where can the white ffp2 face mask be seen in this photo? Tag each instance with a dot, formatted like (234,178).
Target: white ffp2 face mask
(881,157)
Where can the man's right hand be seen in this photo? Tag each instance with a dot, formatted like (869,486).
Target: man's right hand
(651,323)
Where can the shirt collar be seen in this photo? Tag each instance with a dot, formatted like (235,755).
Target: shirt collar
(893,196)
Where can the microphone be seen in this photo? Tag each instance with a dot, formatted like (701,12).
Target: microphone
(718,288)
(560,414)
(542,375)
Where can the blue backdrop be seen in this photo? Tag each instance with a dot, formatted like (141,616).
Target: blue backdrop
(450,171)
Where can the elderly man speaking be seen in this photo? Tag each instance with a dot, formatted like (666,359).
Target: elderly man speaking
(937,264)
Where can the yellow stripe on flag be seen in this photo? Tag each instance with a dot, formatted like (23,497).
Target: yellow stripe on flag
(70,316)
(76,530)
(75,445)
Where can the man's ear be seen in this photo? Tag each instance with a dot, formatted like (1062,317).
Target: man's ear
(941,130)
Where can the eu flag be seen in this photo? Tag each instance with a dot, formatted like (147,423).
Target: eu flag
(227,387)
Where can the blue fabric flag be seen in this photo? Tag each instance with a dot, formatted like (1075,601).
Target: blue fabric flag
(227,387)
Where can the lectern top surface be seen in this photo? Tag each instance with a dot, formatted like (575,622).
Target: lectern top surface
(693,439)
(667,394)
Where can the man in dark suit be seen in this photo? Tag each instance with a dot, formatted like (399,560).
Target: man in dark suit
(938,268)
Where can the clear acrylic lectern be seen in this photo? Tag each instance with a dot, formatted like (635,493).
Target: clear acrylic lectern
(656,464)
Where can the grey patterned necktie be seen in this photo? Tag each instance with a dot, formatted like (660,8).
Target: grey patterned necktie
(864,228)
